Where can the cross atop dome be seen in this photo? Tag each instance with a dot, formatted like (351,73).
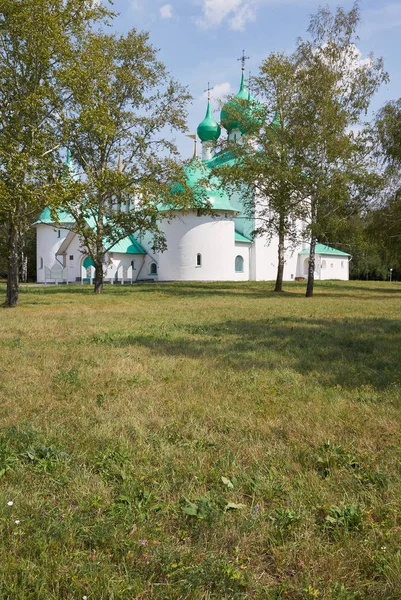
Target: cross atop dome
(209,89)
(243,60)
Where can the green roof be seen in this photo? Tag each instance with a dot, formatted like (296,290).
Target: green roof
(128,245)
(196,173)
(46,217)
(322,249)
(241,238)
(221,158)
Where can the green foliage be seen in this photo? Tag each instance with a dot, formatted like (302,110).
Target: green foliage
(388,125)
(334,90)
(383,221)
(38,38)
(121,101)
(270,175)
(340,518)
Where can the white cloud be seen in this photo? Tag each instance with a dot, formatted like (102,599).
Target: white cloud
(219,91)
(243,15)
(240,12)
(215,11)
(166,11)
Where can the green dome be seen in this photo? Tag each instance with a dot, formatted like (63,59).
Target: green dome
(243,112)
(209,130)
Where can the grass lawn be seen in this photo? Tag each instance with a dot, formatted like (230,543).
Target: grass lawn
(201,441)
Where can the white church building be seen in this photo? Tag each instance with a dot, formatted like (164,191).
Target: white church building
(213,245)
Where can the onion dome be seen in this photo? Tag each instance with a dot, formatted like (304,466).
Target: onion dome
(243,112)
(209,130)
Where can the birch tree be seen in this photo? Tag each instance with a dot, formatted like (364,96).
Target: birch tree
(124,108)
(36,38)
(264,167)
(334,86)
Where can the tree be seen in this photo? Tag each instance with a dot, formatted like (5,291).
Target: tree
(388,123)
(334,88)
(386,227)
(264,164)
(37,37)
(123,106)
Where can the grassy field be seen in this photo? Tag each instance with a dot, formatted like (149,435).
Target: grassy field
(201,441)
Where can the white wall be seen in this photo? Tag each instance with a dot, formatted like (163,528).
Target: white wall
(327,266)
(120,267)
(242,249)
(73,259)
(188,235)
(47,244)
(333,267)
(265,260)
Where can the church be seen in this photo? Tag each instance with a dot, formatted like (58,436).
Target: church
(215,246)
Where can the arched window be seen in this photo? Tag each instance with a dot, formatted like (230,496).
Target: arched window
(133,265)
(323,264)
(59,233)
(239,264)
(153,269)
(41,263)
(199,260)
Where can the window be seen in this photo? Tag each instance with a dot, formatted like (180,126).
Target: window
(71,257)
(153,269)
(323,264)
(199,260)
(133,265)
(41,263)
(239,264)
(342,264)
(59,233)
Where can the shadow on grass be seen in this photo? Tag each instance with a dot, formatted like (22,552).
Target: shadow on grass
(261,289)
(346,352)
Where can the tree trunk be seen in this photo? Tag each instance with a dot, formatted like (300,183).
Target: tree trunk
(13,270)
(311,268)
(281,262)
(98,278)
(24,267)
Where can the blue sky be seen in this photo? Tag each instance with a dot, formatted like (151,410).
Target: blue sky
(200,40)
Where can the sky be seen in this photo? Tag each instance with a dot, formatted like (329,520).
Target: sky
(200,41)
